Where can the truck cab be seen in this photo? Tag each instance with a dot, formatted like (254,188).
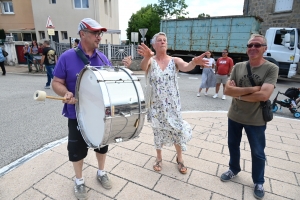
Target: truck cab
(283,49)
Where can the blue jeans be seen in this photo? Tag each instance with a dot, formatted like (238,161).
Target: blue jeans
(49,69)
(257,141)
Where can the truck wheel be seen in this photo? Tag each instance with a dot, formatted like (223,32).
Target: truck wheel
(275,108)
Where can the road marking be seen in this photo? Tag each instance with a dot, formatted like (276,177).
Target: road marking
(192,78)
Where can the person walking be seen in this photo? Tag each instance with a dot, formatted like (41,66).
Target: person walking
(223,69)
(245,111)
(2,59)
(49,58)
(208,75)
(165,111)
(64,83)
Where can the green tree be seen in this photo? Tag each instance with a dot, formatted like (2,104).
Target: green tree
(203,15)
(147,17)
(171,8)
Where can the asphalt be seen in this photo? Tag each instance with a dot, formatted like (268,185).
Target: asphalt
(47,173)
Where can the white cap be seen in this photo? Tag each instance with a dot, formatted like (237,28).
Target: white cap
(90,24)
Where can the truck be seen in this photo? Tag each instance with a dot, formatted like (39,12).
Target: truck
(190,37)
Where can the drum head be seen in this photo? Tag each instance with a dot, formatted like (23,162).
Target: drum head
(90,108)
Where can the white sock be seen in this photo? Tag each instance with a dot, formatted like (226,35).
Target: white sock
(101,172)
(79,181)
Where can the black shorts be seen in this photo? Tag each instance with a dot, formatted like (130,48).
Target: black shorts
(77,147)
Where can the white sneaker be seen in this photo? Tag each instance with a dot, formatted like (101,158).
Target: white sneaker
(205,94)
(198,94)
(223,97)
(215,96)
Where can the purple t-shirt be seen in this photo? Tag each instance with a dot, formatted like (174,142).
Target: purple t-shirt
(68,66)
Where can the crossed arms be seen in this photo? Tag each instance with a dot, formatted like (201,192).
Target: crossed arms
(250,94)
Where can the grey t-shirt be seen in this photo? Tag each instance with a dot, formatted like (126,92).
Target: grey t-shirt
(250,113)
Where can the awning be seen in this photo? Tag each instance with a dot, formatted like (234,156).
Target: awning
(25,30)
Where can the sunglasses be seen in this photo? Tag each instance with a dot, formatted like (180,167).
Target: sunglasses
(96,34)
(257,45)
(224,52)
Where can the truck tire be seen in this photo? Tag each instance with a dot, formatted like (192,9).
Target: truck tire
(272,60)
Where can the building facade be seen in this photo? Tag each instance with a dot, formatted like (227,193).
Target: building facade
(16,18)
(66,15)
(275,13)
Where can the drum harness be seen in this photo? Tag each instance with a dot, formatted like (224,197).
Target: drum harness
(87,63)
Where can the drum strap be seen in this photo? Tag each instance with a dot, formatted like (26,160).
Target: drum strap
(81,55)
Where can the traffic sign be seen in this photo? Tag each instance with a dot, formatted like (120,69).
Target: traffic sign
(143,31)
(49,23)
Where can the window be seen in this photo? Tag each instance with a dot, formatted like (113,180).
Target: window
(52,1)
(283,5)
(7,7)
(81,3)
(64,35)
(16,36)
(106,7)
(42,35)
(110,8)
(279,38)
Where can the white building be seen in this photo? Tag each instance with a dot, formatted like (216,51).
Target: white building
(66,15)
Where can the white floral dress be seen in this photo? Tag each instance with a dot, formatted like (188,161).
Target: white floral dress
(165,111)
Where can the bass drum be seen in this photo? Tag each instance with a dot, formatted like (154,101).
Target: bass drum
(110,107)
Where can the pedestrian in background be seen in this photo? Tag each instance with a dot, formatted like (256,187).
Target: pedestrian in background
(76,42)
(208,75)
(223,69)
(2,59)
(27,55)
(49,58)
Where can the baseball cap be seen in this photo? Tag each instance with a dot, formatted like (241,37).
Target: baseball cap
(90,24)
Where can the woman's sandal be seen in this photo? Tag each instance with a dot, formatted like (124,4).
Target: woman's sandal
(157,165)
(181,167)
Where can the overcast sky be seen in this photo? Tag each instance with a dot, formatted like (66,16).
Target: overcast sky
(195,7)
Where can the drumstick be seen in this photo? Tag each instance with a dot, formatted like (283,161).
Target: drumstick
(41,96)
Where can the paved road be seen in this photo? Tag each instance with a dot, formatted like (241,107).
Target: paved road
(27,125)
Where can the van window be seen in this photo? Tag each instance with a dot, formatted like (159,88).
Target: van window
(278,38)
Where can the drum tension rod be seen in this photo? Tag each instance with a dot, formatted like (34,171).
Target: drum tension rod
(121,80)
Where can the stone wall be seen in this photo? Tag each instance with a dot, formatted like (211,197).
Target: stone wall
(265,10)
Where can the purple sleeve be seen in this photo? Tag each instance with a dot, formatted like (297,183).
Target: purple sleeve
(60,68)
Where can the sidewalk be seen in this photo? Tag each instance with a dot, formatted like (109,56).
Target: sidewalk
(50,175)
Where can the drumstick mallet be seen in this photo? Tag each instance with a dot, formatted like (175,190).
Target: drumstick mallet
(40,95)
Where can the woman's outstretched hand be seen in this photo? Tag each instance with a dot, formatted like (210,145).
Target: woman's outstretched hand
(144,51)
(200,60)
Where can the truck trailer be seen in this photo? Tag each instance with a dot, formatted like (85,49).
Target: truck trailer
(190,37)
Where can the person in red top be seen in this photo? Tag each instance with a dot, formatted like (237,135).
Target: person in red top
(223,69)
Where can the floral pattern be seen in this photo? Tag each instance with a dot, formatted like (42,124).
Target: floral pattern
(165,112)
